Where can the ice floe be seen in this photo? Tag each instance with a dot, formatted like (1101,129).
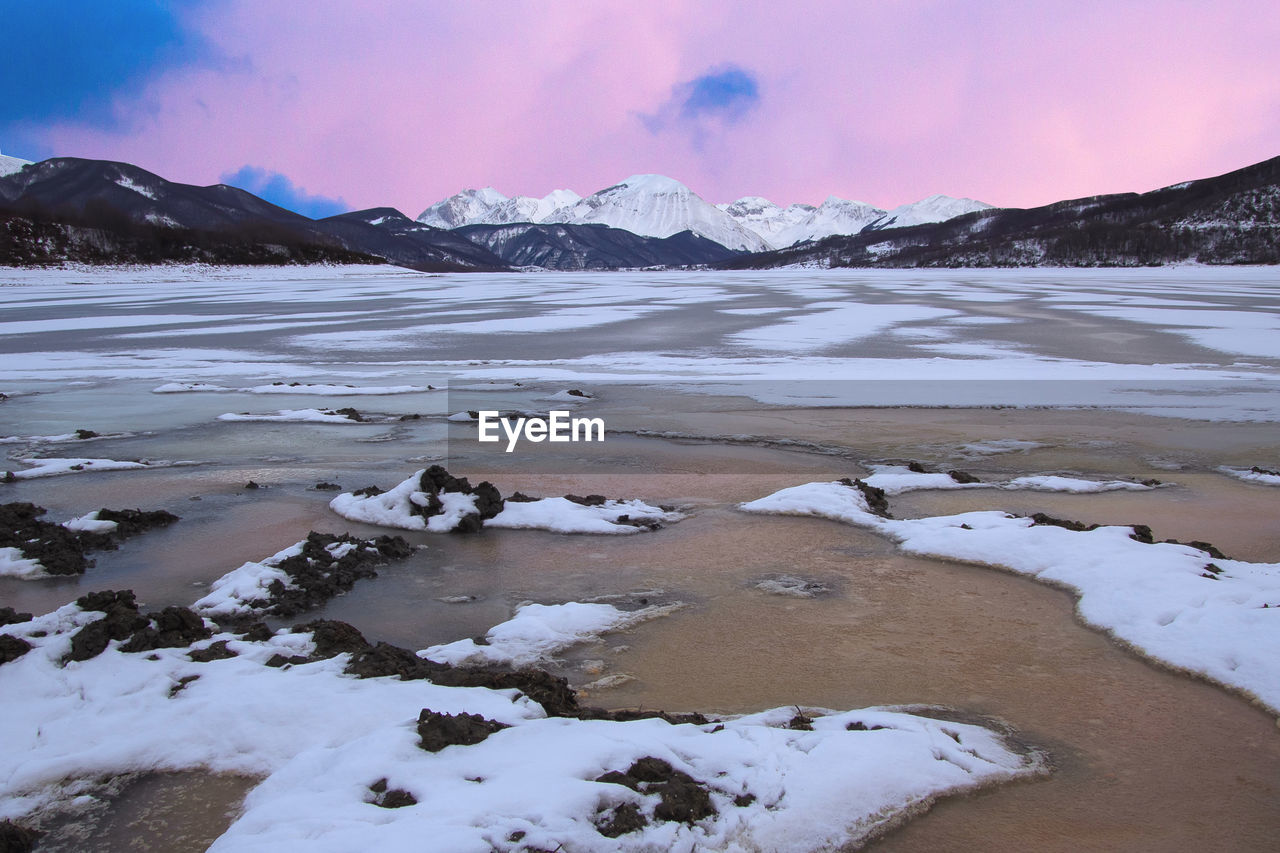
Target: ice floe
(316,389)
(435,501)
(54,466)
(1183,604)
(311,416)
(538,631)
(897,479)
(1255,474)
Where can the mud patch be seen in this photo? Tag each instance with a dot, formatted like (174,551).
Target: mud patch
(62,551)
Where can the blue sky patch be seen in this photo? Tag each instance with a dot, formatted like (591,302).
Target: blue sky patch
(278,189)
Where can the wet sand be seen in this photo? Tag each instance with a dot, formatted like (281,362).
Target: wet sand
(1145,758)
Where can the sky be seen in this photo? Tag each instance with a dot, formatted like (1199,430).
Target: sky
(336,105)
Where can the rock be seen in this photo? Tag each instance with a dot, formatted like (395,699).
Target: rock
(550,691)
(589,500)
(436,731)
(15,838)
(86,434)
(328,487)
(252,485)
(859,726)
(963,477)
(278,660)
(182,684)
(436,480)
(317,575)
(916,468)
(59,550)
(522,498)
(9,616)
(686,802)
(384,659)
(350,414)
(622,819)
(875,497)
(1141,533)
(626,715)
(122,619)
(257,632)
(574,392)
(333,637)
(1041,518)
(395,798)
(12,648)
(90,641)
(368,491)
(131,522)
(215,651)
(800,723)
(683,798)
(171,628)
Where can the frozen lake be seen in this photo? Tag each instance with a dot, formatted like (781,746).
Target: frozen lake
(898,337)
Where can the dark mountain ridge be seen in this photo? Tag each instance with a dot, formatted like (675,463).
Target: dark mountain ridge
(1228,219)
(586,247)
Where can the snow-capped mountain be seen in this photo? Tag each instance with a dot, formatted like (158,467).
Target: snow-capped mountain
(490,207)
(767,219)
(9,165)
(833,216)
(464,208)
(935,208)
(657,206)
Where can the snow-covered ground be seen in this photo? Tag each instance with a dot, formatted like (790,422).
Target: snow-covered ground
(1175,603)
(326,742)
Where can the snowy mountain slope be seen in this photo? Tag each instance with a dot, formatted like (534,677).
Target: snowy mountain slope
(767,219)
(9,165)
(833,216)
(490,207)
(564,246)
(464,208)
(524,208)
(657,206)
(935,208)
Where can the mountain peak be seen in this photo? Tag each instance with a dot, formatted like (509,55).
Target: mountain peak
(9,165)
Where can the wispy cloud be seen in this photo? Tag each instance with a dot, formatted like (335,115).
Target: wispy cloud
(729,93)
(723,95)
(278,189)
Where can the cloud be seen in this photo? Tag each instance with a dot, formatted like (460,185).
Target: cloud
(71,59)
(722,96)
(278,189)
(729,93)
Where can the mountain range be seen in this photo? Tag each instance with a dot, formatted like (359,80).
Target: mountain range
(71,209)
(657,206)
(1228,219)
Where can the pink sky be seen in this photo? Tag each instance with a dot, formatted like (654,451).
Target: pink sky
(1014,103)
